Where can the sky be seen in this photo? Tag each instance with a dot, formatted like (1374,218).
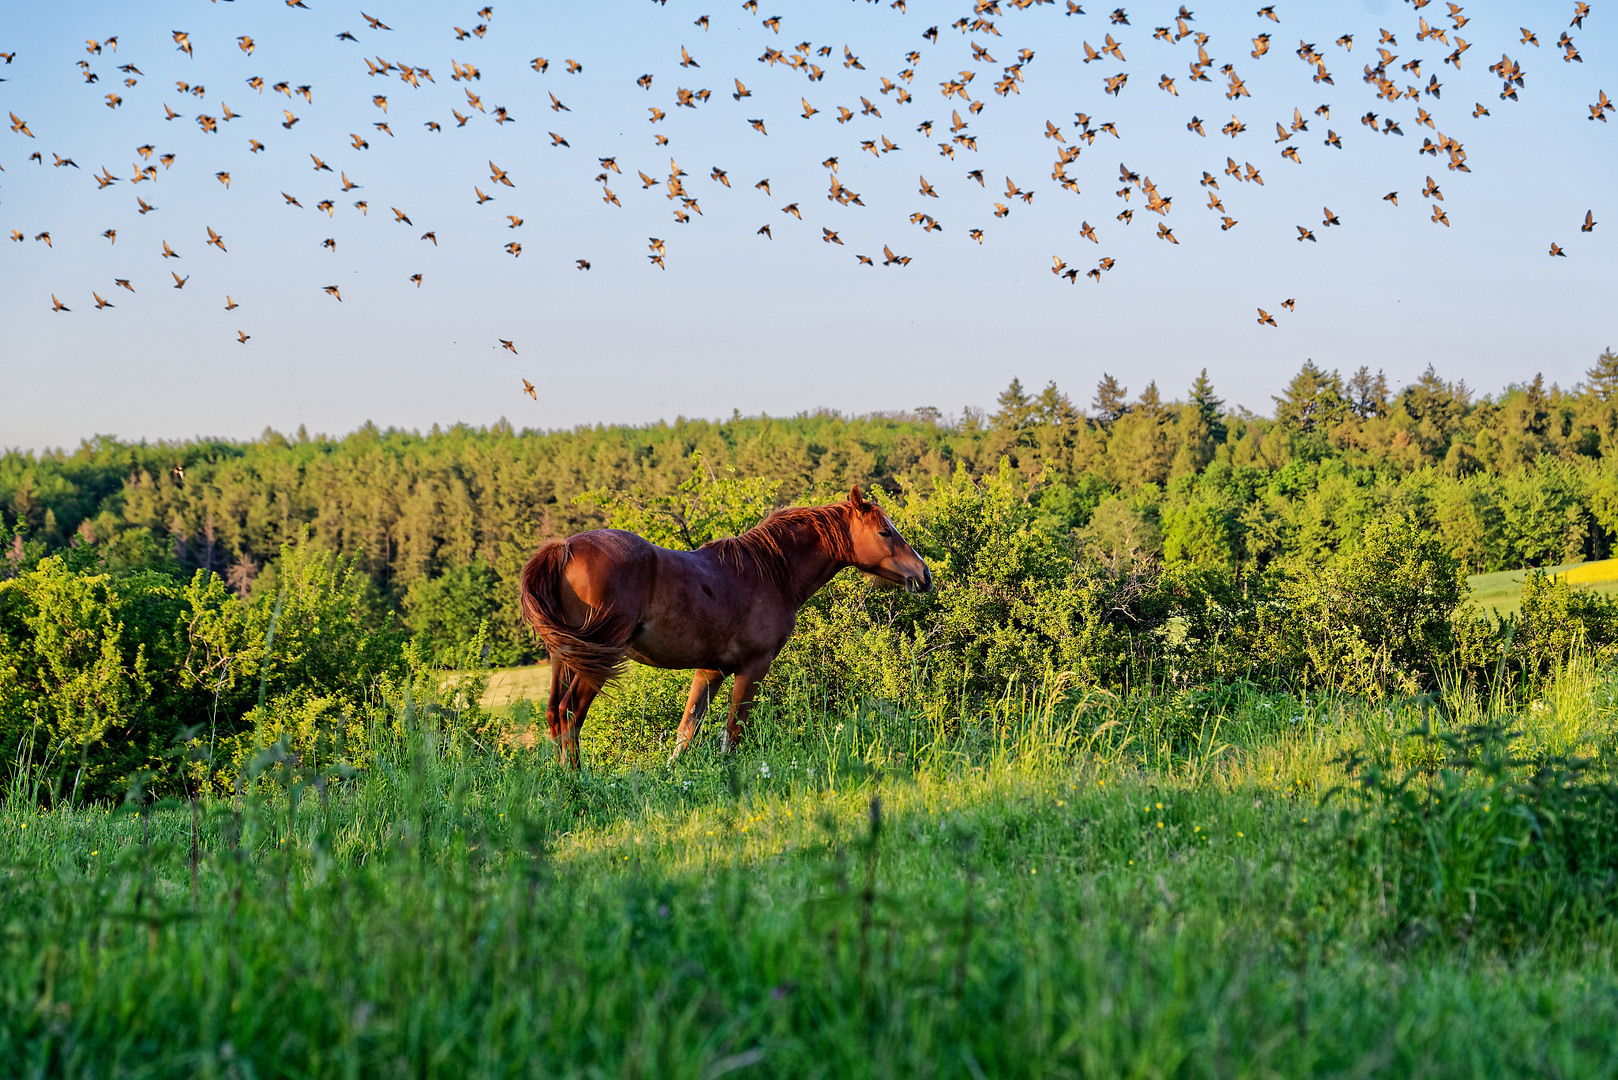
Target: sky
(735,320)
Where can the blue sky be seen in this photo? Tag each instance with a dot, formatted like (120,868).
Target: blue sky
(738,321)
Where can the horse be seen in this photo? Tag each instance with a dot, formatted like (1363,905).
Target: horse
(726,609)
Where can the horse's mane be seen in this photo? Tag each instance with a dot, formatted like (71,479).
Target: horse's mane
(760,547)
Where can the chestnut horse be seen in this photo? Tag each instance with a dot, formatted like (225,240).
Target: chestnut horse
(725,609)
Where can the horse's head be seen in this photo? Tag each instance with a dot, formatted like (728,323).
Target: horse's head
(880,550)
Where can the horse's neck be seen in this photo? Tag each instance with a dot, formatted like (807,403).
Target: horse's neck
(811,567)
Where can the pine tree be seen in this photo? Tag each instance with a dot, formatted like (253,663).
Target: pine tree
(1603,378)
(1431,398)
(1209,408)
(1314,398)
(1111,400)
(1151,402)
(1368,395)
(1054,408)
(1016,409)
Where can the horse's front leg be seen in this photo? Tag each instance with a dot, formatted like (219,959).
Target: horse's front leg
(705,683)
(742,692)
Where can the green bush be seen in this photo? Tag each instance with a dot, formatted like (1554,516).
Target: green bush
(1009,601)
(1556,621)
(86,664)
(1378,616)
(706,505)
(447,612)
(106,675)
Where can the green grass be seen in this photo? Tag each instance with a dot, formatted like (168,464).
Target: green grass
(1122,887)
(508,686)
(1501,591)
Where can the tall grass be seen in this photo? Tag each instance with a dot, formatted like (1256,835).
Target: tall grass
(1042,884)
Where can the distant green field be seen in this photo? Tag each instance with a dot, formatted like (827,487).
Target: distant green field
(532,682)
(1502,591)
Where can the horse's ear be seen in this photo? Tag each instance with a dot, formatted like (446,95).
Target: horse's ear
(855,499)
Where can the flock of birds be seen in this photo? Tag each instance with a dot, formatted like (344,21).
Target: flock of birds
(1398,85)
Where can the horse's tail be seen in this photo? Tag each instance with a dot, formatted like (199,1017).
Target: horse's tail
(595,649)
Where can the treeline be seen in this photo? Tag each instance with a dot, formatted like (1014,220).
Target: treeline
(438,524)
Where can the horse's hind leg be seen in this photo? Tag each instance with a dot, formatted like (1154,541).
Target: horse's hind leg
(579,697)
(705,684)
(555,707)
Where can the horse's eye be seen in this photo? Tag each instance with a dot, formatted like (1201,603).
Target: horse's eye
(885,533)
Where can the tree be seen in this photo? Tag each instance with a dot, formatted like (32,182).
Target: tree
(1016,409)
(1368,395)
(449,611)
(1314,398)
(1201,429)
(1111,400)
(1055,408)
(1210,408)
(1437,402)
(1603,378)
(1151,402)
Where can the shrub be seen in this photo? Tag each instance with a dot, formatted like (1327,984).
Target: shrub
(706,505)
(1009,601)
(1377,616)
(447,612)
(1556,620)
(102,674)
(83,660)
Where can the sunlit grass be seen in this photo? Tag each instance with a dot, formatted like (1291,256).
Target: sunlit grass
(1106,885)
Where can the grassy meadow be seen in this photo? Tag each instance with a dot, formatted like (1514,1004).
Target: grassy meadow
(1501,591)
(1216,883)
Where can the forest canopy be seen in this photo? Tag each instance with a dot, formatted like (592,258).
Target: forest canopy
(438,523)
